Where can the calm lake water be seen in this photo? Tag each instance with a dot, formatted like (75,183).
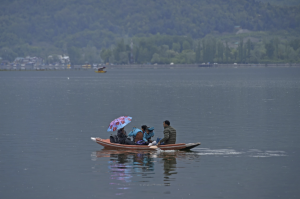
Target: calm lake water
(247,121)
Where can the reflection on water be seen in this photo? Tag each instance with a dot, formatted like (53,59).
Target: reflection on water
(169,167)
(129,169)
(123,166)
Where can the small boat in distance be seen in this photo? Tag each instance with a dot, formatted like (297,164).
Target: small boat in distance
(101,70)
(108,145)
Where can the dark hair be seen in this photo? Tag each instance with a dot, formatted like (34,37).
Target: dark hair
(144,127)
(167,122)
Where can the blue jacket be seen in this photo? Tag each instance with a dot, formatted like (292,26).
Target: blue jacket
(148,136)
(134,132)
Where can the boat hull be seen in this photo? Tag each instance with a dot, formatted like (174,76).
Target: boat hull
(108,145)
(100,71)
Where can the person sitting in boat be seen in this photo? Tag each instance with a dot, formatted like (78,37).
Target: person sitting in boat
(123,137)
(101,68)
(137,135)
(144,128)
(169,134)
(148,135)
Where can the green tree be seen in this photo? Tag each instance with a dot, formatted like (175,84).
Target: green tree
(186,45)
(74,55)
(105,55)
(176,47)
(91,54)
(240,50)
(248,49)
(276,45)
(255,55)
(295,43)
(198,53)
(270,49)
(227,52)
(155,58)
(204,54)
(220,51)
(7,54)
(124,58)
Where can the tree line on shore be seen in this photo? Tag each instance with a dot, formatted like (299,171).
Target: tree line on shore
(184,50)
(166,49)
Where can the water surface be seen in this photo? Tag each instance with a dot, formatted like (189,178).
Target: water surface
(247,121)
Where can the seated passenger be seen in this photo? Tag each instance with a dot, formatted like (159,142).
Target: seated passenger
(144,128)
(136,134)
(123,138)
(122,135)
(148,135)
(169,134)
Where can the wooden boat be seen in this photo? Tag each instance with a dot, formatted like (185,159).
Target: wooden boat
(108,145)
(100,70)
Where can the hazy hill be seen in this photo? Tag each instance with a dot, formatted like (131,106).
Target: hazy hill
(98,22)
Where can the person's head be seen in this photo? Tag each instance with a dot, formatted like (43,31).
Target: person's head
(144,127)
(166,123)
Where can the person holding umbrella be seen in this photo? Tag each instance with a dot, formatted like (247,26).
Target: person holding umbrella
(119,124)
(122,135)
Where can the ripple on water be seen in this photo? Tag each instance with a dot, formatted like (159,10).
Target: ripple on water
(232,152)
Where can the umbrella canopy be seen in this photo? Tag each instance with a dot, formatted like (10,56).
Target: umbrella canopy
(119,123)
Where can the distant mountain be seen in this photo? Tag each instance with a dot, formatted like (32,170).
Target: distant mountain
(98,22)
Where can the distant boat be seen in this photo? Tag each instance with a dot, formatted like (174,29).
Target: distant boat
(101,70)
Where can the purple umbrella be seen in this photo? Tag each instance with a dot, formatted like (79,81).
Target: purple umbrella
(119,123)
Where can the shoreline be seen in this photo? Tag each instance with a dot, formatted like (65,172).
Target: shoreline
(160,66)
(205,66)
